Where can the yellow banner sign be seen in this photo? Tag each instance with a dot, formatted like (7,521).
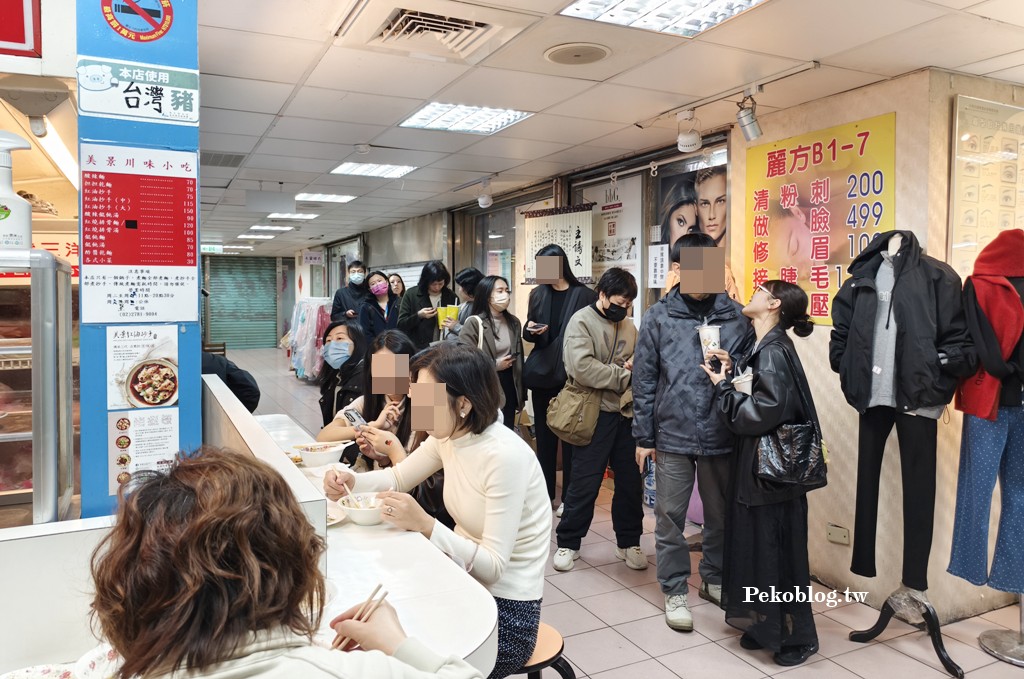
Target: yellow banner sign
(815,201)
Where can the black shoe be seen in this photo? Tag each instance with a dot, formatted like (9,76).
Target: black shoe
(750,643)
(795,655)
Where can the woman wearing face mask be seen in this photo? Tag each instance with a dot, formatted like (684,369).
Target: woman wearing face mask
(766,529)
(381,313)
(497,333)
(495,492)
(599,343)
(341,378)
(417,316)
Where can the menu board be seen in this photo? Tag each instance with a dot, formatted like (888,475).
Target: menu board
(987,182)
(815,202)
(139,248)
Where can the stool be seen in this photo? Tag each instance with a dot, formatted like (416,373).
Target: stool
(548,653)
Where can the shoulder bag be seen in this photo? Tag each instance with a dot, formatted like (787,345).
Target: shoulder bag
(794,454)
(572,414)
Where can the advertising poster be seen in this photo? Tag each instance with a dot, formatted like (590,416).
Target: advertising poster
(987,183)
(815,201)
(140,440)
(139,247)
(571,228)
(618,232)
(142,361)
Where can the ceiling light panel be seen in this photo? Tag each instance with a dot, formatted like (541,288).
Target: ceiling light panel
(325,197)
(291,215)
(254,236)
(238,247)
(459,118)
(373,170)
(676,17)
(268,227)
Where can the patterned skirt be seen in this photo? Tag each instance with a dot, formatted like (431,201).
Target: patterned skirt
(518,622)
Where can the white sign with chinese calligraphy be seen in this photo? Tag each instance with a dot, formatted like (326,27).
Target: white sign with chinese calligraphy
(658,268)
(142,366)
(573,231)
(132,91)
(140,440)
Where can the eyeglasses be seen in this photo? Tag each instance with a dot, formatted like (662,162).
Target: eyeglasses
(766,291)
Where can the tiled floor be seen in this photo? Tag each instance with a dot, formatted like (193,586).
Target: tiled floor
(612,620)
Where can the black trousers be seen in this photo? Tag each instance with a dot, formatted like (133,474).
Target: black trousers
(508,385)
(547,443)
(917,439)
(612,444)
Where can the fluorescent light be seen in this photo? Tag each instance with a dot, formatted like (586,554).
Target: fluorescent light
(459,118)
(268,227)
(254,236)
(676,17)
(238,247)
(325,197)
(290,215)
(374,170)
(496,235)
(55,147)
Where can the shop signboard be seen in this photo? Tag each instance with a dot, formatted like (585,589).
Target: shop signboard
(814,202)
(987,177)
(112,88)
(63,245)
(20,31)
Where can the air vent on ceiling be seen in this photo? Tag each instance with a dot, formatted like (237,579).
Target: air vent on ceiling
(221,159)
(433,29)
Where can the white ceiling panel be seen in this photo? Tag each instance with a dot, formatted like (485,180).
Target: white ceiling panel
(635,139)
(1002,62)
(249,178)
(536,6)
(1010,11)
(720,68)
(330,131)
(500,88)
(305,149)
(388,156)
(397,194)
(629,48)
(506,147)
(544,168)
(814,84)
(584,155)
(415,185)
(258,56)
(619,104)
(382,74)
(230,143)
(947,42)
(773,27)
(1014,75)
(425,140)
(452,177)
(342,183)
(483,164)
(953,4)
(546,127)
(234,122)
(307,19)
(351,107)
(294,163)
(243,95)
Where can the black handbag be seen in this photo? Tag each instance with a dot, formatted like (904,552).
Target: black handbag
(794,454)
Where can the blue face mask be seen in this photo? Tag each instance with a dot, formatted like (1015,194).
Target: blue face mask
(336,353)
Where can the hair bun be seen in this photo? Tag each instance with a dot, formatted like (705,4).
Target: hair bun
(803,326)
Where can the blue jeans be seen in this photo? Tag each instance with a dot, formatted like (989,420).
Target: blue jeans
(989,450)
(674,475)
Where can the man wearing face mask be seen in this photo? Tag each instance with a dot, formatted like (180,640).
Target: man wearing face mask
(598,353)
(674,420)
(349,299)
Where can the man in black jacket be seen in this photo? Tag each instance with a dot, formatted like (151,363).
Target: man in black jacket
(674,420)
(240,382)
(899,343)
(349,299)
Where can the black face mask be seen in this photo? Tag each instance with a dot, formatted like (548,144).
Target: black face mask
(614,312)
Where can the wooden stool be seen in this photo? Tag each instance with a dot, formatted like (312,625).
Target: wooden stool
(548,653)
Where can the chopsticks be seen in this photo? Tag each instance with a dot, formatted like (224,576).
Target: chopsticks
(364,613)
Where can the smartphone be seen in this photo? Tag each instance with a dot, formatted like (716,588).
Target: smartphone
(715,364)
(354,417)
(539,327)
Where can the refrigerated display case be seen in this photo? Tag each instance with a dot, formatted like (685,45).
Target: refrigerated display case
(38,380)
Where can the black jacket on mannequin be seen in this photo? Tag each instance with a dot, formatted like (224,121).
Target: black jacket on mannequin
(932,342)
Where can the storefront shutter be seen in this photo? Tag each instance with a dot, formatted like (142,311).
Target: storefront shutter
(243,302)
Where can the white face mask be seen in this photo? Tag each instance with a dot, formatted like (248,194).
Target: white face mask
(499,300)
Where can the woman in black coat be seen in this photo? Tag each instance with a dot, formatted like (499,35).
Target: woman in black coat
(766,527)
(551,306)
(417,315)
(341,378)
(381,313)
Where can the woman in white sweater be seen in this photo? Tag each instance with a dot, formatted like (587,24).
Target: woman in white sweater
(494,489)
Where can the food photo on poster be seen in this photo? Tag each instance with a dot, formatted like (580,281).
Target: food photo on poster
(142,361)
(815,202)
(140,440)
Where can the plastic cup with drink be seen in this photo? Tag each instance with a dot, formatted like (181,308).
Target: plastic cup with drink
(710,340)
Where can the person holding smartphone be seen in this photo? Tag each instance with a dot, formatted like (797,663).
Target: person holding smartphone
(498,333)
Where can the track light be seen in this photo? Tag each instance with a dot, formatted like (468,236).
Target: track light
(747,118)
(690,140)
(484,200)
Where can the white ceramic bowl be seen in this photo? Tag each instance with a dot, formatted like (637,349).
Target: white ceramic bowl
(359,515)
(318,456)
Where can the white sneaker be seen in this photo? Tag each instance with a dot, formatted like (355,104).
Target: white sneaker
(712,593)
(565,558)
(558,512)
(677,613)
(633,556)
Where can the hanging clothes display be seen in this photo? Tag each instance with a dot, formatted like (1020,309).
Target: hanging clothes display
(311,317)
(992,446)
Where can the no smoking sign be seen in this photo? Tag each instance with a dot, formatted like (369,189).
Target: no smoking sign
(139,20)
